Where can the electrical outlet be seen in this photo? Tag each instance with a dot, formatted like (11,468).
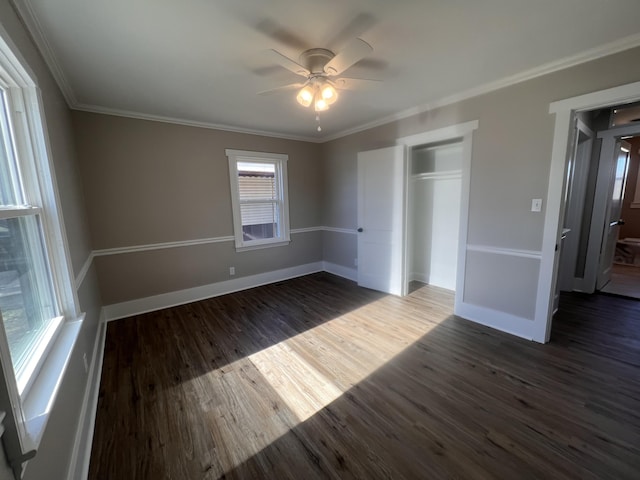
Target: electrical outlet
(232,271)
(84,360)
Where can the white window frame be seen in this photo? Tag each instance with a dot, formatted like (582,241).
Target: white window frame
(280,162)
(29,412)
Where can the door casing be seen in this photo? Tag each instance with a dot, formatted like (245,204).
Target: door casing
(563,111)
(465,132)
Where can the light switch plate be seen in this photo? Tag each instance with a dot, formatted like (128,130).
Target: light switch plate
(536,205)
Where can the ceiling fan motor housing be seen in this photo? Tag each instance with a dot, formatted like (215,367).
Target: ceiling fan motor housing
(315,59)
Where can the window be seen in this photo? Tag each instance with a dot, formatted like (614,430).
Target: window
(27,302)
(39,318)
(259,199)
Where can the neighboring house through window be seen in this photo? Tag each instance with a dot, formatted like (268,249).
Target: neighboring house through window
(259,199)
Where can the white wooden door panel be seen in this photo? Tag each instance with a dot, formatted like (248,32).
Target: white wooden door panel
(381,219)
(614,210)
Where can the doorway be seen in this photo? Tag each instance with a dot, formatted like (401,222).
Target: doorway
(624,275)
(434,192)
(596,238)
(565,112)
(385,219)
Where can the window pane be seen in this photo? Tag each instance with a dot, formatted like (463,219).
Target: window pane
(26,296)
(9,181)
(256,181)
(259,221)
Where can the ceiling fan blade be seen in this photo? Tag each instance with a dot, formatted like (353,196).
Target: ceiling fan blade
(347,83)
(289,64)
(284,88)
(355,51)
(281,34)
(373,64)
(356,27)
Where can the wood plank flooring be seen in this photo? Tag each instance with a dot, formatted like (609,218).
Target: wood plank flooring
(316,378)
(625,281)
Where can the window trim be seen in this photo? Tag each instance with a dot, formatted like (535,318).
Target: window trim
(280,160)
(28,416)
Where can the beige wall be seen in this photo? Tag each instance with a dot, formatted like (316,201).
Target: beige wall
(510,166)
(54,453)
(151,182)
(631,216)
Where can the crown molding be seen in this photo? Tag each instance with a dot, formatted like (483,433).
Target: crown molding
(26,12)
(190,123)
(611,48)
(33,25)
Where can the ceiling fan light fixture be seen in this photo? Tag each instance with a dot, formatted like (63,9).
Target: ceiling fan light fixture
(305,96)
(321,104)
(329,93)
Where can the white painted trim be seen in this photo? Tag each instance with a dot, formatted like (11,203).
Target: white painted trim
(506,322)
(438,135)
(116,112)
(81,454)
(535,254)
(449,175)
(32,23)
(160,246)
(184,243)
(626,43)
(188,243)
(36,406)
(279,162)
(349,231)
(306,230)
(552,223)
(26,12)
(84,270)
(264,244)
(341,271)
(465,131)
(243,154)
(624,131)
(171,299)
(13,212)
(604,98)
(419,277)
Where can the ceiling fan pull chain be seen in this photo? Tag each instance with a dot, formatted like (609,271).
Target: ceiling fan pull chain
(318,120)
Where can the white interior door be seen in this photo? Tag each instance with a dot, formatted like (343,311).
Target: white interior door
(381,199)
(571,277)
(614,210)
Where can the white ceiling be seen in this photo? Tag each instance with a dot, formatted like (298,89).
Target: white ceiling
(203,61)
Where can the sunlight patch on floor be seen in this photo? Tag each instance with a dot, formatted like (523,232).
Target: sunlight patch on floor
(270,392)
(314,368)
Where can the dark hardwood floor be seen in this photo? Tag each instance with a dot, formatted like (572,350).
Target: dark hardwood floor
(317,378)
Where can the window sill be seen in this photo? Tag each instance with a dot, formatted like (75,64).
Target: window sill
(277,243)
(39,401)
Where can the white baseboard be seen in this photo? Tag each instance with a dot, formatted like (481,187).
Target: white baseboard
(171,299)
(79,465)
(419,277)
(81,455)
(340,271)
(506,322)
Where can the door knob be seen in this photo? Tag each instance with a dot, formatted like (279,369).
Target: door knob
(360,230)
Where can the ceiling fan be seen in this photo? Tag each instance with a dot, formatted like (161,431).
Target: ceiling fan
(322,70)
